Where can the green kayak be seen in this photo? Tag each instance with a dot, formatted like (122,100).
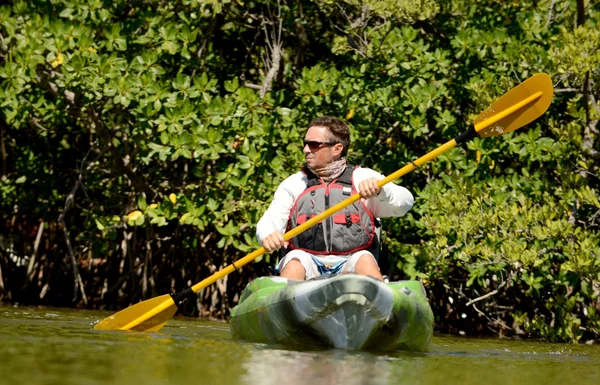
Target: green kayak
(347,311)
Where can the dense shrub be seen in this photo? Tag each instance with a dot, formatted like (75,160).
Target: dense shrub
(140,142)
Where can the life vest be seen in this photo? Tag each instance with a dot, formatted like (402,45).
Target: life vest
(345,232)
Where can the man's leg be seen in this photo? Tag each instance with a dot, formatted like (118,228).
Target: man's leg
(363,263)
(298,265)
(294,270)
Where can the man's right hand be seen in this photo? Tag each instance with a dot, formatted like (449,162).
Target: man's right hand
(273,241)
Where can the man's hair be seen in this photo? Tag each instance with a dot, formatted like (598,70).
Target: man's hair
(338,130)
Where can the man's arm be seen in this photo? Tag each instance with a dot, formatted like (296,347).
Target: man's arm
(391,201)
(272,225)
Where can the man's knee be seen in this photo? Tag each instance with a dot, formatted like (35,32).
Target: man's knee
(367,258)
(293,263)
(293,269)
(364,258)
(367,265)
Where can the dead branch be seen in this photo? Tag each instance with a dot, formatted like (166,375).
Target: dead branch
(560,90)
(550,13)
(272,60)
(491,293)
(36,245)
(36,123)
(222,290)
(78,284)
(357,42)
(481,313)
(148,276)
(250,85)
(253,86)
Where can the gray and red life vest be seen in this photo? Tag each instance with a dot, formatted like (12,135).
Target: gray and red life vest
(345,232)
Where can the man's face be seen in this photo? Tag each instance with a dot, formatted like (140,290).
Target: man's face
(321,155)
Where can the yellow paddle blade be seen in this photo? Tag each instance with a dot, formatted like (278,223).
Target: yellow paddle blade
(146,316)
(518,107)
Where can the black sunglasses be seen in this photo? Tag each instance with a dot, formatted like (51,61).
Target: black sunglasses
(313,144)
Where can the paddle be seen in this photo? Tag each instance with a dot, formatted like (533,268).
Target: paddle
(518,107)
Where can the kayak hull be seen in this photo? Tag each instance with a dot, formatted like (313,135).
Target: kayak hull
(346,311)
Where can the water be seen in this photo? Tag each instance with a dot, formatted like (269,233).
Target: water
(58,346)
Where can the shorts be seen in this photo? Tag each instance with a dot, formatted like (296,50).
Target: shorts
(316,265)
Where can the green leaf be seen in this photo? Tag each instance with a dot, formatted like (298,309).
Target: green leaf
(140,220)
(99,225)
(164,138)
(141,202)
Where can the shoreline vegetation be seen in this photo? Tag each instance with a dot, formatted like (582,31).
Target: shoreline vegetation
(141,141)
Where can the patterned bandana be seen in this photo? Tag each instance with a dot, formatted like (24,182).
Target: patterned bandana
(331,171)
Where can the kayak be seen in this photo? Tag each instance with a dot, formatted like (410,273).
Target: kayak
(346,311)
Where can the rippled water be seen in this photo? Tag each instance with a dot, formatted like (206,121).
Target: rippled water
(58,346)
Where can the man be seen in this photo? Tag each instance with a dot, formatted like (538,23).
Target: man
(340,243)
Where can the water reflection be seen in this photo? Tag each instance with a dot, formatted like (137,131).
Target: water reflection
(179,355)
(449,361)
(40,346)
(328,367)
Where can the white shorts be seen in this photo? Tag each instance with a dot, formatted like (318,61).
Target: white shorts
(316,265)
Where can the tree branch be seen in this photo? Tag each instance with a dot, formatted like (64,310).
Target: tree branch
(121,164)
(481,313)
(36,123)
(36,245)
(491,293)
(580,13)
(550,13)
(3,155)
(208,35)
(250,85)
(1,282)
(357,42)
(301,35)
(589,131)
(147,271)
(78,284)
(561,90)
(138,182)
(274,48)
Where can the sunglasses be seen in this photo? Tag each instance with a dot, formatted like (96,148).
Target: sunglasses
(314,145)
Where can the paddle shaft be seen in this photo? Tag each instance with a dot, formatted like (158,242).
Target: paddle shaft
(325,214)
(472,132)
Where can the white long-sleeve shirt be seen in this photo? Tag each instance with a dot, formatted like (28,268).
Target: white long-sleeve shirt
(393,201)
